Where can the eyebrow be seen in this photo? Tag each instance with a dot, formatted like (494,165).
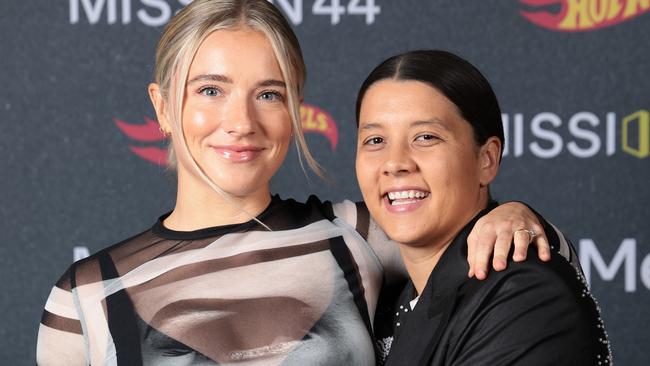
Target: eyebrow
(370,126)
(433,121)
(224,79)
(273,82)
(210,77)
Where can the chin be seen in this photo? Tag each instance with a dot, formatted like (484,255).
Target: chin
(240,191)
(409,240)
(403,234)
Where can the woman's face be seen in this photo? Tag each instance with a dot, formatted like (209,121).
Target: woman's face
(235,116)
(421,173)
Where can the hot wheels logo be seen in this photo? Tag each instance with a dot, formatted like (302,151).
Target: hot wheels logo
(318,121)
(145,133)
(314,120)
(582,15)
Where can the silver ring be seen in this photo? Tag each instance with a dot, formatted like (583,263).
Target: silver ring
(531,234)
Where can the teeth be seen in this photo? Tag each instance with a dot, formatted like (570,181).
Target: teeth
(406,195)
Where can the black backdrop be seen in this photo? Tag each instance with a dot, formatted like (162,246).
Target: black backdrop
(80,170)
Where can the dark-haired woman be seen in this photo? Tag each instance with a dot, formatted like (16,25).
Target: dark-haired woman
(430,142)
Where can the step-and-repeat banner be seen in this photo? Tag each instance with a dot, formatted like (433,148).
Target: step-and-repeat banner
(82,161)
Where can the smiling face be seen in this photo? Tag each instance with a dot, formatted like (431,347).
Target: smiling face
(235,117)
(422,175)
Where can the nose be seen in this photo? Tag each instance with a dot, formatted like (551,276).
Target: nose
(398,161)
(239,118)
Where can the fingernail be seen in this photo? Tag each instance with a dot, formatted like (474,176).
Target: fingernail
(500,264)
(481,274)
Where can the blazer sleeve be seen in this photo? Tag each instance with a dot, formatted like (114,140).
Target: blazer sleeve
(534,313)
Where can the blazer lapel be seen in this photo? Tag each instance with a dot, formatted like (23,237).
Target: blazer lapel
(420,333)
(439,315)
(409,336)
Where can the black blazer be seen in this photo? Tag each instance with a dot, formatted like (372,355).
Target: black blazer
(532,313)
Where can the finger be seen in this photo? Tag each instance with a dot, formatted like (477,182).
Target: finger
(471,250)
(543,248)
(541,242)
(522,240)
(484,248)
(501,249)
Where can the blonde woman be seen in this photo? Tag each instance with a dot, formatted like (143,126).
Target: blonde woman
(234,275)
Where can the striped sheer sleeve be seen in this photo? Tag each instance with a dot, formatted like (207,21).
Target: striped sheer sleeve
(60,335)
(358,216)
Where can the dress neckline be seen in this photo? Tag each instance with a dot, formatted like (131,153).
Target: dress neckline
(159,228)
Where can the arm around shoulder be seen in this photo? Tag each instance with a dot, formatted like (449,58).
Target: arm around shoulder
(386,250)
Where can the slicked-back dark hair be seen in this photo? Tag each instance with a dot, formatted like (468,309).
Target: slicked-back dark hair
(458,80)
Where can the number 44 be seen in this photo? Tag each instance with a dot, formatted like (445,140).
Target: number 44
(335,9)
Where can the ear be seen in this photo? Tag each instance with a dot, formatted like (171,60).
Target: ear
(159,104)
(489,160)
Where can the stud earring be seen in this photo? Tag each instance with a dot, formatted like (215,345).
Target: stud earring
(163,131)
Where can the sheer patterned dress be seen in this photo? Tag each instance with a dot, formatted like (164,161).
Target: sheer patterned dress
(301,294)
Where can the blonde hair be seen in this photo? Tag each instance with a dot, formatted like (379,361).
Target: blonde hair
(188,29)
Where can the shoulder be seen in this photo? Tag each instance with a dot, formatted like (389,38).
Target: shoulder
(354,214)
(61,337)
(533,312)
(290,214)
(556,280)
(345,209)
(546,305)
(94,269)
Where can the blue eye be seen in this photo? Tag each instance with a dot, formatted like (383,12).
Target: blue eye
(271,96)
(210,91)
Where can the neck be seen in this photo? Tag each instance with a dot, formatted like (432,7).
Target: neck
(421,260)
(198,206)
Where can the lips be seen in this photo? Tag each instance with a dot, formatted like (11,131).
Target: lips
(238,153)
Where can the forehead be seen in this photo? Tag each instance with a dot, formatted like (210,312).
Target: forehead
(405,100)
(238,50)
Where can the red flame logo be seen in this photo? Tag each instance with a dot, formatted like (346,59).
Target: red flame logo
(314,120)
(147,132)
(318,121)
(582,15)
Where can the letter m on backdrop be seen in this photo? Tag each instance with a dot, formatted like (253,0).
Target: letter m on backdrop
(93,10)
(626,254)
